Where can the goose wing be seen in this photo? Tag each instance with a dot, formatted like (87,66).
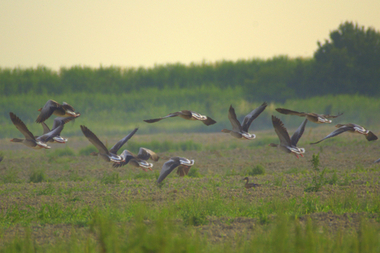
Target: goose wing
(371,136)
(47,110)
(59,122)
(281,131)
(253,115)
(298,133)
(67,107)
(328,116)
(21,126)
(290,112)
(338,131)
(168,167)
(145,154)
(174,114)
(45,128)
(94,140)
(377,161)
(234,122)
(120,143)
(209,121)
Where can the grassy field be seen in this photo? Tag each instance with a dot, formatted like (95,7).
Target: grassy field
(64,200)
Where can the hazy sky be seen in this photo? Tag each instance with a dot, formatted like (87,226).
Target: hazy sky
(143,32)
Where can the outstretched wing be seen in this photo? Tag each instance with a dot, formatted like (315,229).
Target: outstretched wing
(47,110)
(209,121)
(281,131)
(371,136)
(234,122)
(298,133)
(120,143)
(328,116)
(59,122)
(290,112)
(253,115)
(174,114)
(168,167)
(45,128)
(21,126)
(340,130)
(94,140)
(146,154)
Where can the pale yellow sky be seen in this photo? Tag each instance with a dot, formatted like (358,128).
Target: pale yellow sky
(143,32)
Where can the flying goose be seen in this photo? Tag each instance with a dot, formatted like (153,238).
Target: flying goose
(249,185)
(139,160)
(313,117)
(174,162)
(353,128)
(40,141)
(287,144)
(107,155)
(241,131)
(53,107)
(186,114)
(57,138)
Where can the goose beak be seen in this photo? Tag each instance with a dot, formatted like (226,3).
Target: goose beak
(39,109)
(150,169)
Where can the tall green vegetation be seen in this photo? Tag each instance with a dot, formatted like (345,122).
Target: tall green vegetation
(348,63)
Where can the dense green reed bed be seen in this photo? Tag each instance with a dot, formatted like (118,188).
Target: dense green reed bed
(64,200)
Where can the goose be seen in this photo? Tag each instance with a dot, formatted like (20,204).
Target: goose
(174,162)
(249,185)
(139,160)
(40,141)
(287,144)
(53,107)
(313,117)
(241,131)
(186,114)
(57,138)
(353,128)
(105,154)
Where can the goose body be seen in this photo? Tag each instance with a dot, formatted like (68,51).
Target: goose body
(313,117)
(240,131)
(107,155)
(182,163)
(139,160)
(57,138)
(186,114)
(60,110)
(352,128)
(32,141)
(287,144)
(249,185)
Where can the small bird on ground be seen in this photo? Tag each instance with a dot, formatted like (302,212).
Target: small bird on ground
(249,185)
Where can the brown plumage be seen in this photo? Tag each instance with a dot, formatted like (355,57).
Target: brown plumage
(249,185)
(313,117)
(60,110)
(186,114)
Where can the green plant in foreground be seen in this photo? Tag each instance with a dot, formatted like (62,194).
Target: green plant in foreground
(112,178)
(257,170)
(38,176)
(319,176)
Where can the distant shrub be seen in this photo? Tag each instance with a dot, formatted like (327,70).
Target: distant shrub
(112,178)
(87,150)
(38,176)
(10,177)
(257,170)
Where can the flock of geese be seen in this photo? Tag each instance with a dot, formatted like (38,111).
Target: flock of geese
(66,113)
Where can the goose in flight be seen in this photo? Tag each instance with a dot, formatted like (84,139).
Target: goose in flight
(139,160)
(287,144)
(241,131)
(249,185)
(352,128)
(174,162)
(57,138)
(53,107)
(313,117)
(186,114)
(40,141)
(107,155)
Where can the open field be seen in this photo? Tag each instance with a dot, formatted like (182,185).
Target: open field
(64,200)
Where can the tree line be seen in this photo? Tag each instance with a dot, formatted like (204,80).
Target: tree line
(347,63)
